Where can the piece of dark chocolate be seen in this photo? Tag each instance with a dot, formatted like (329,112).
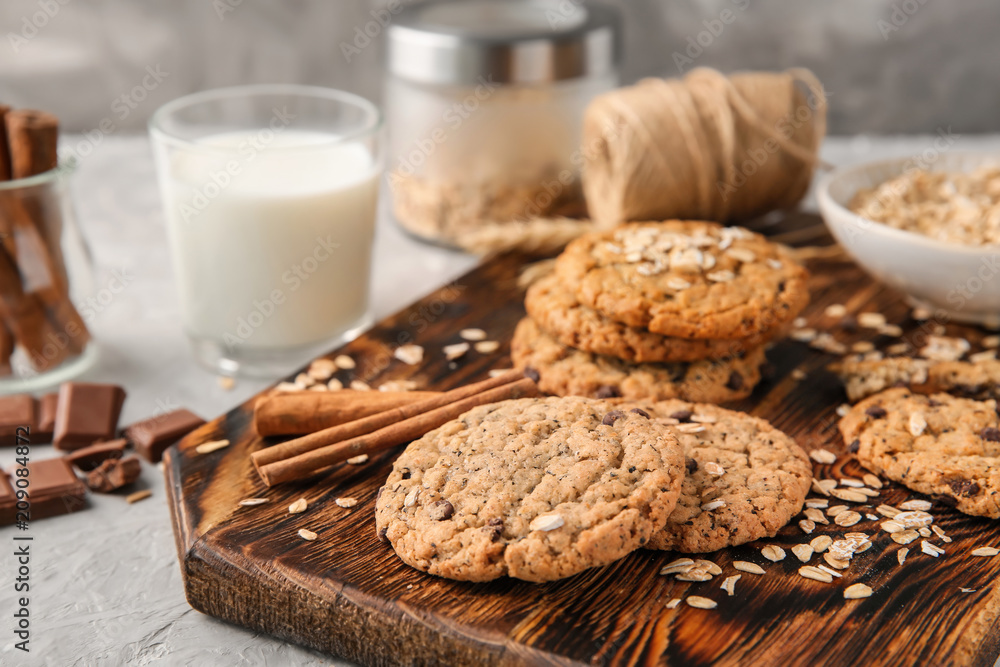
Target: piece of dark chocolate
(152,436)
(16,412)
(88,458)
(114,474)
(53,488)
(46,410)
(87,412)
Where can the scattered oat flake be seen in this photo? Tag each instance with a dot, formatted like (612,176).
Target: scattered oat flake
(847,519)
(398,385)
(472,334)
(798,374)
(212,446)
(708,566)
(871,320)
(137,496)
(836,310)
(843,409)
(729,584)
(713,505)
(917,424)
(345,362)
(833,561)
(872,481)
(803,335)
(673,603)
(226,382)
(816,514)
(821,543)
(816,574)
(852,482)
(252,502)
(807,526)
(967,590)
(817,503)
(944,348)
(410,353)
(359,385)
(887,510)
(746,566)
(319,387)
(803,552)
(832,573)
(773,553)
(985,551)
(703,419)
(862,346)
(287,386)
(411,498)
(855,591)
(346,502)
(799,322)
(916,505)
(690,428)
(924,531)
(824,486)
(546,522)
(694,575)
(700,603)
(823,456)
(497,372)
(901,555)
(871,517)
(680,565)
(298,507)
(940,533)
(322,369)
(891,526)
(487,346)
(334,385)
(850,495)
(930,549)
(303,381)
(358,460)
(913,519)
(836,509)
(456,351)
(905,537)
(921,314)
(307,534)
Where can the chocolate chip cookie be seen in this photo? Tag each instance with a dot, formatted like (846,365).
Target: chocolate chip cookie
(566,371)
(560,314)
(745,479)
(686,279)
(537,489)
(862,378)
(939,445)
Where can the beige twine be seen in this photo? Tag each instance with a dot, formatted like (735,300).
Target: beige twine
(705,147)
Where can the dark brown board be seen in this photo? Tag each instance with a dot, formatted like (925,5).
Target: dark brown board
(349,595)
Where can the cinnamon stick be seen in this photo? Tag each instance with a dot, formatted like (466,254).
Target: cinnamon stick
(301,412)
(374,422)
(309,462)
(33,137)
(5,172)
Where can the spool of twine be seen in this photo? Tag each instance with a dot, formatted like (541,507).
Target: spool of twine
(706,147)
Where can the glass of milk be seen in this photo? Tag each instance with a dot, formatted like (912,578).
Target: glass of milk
(270,195)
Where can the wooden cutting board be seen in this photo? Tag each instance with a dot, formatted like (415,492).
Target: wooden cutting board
(348,594)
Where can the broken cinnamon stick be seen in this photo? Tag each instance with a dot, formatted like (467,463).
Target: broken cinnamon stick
(376,421)
(305,464)
(301,412)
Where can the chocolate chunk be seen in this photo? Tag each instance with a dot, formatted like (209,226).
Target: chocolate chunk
(532,374)
(735,381)
(683,416)
(607,391)
(691,465)
(53,488)
(496,527)
(854,446)
(114,474)
(612,417)
(640,411)
(8,501)
(405,474)
(47,405)
(381,534)
(152,436)
(876,412)
(849,323)
(441,510)
(990,434)
(963,488)
(88,458)
(87,413)
(18,412)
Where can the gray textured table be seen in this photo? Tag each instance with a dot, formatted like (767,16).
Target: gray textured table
(106,587)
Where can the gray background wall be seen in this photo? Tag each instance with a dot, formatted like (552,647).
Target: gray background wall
(891,66)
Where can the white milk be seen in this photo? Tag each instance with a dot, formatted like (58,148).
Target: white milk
(272,241)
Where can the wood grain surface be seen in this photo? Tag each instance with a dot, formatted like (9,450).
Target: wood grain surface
(348,594)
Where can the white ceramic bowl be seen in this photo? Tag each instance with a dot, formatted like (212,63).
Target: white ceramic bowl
(956,281)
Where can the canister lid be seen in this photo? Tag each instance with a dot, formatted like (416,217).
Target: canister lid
(505,41)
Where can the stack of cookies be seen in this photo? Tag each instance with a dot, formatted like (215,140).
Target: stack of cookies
(544,488)
(676,309)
